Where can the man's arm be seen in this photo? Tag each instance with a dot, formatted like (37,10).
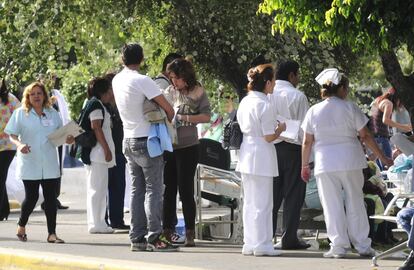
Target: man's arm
(165,105)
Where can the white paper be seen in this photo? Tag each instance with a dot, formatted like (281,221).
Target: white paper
(292,129)
(58,137)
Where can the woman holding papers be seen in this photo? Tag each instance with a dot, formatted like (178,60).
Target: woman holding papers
(332,126)
(257,161)
(37,157)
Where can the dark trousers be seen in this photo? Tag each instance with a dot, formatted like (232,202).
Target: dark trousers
(384,229)
(289,188)
(179,173)
(31,188)
(59,180)
(370,205)
(116,191)
(6,158)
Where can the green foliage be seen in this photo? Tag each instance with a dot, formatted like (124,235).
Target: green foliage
(361,24)
(223,37)
(75,81)
(380,27)
(77,40)
(80,39)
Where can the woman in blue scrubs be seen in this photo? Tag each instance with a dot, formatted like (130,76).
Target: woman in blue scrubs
(37,157)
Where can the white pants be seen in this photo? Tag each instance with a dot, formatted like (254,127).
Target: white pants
(97,190)
(403,143)
(257,212)
(349,221)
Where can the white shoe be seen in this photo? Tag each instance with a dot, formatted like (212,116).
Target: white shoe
(106,230)
(278,245)
(369,252)
(247,252)
(271,253)
(334,253)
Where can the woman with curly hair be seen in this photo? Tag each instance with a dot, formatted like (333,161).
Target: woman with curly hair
(37,157)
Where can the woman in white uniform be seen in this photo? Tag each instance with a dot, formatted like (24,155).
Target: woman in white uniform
(332,126)
(101,155)
(257,161)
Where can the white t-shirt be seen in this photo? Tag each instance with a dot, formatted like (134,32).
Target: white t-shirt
(97,153)
(289,102)
(130,89)
(335,124)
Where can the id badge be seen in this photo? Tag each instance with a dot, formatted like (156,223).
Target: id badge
(47,122)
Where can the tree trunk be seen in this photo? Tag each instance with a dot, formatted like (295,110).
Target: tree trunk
(394,75)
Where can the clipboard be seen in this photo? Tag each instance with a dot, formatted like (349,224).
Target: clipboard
(58,137)
(292,129)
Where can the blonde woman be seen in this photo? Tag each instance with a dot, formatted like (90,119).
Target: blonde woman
(37,157)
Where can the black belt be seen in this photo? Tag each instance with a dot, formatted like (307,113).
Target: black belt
(138,139)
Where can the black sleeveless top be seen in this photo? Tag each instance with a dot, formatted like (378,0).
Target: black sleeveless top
(376,125)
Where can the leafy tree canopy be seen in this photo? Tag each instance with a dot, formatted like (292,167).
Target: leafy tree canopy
(80,39)
(379,26)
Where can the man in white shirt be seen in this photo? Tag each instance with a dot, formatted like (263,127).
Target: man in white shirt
(130,90)
(290,103)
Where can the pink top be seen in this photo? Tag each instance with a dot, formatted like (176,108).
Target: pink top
(5,113)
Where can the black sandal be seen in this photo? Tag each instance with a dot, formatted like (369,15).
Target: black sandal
(22,237)
(57,240)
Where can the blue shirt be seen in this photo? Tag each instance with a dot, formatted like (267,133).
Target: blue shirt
(42,162)
(158,140)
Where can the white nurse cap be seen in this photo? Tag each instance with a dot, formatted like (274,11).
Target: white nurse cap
(329,75)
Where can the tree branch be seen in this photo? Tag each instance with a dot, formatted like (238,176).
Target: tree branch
(393,73)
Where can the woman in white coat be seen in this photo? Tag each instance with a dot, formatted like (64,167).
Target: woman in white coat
(333,126)
(257,161)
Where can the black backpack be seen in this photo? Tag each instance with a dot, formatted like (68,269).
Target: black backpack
(87,140)
(232,135)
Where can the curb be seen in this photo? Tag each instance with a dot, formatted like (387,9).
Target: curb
(24,259)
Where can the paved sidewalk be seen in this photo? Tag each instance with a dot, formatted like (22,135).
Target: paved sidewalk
(111,251)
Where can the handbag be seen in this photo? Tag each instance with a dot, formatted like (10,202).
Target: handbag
(86,139)
(232,134)
(152,112)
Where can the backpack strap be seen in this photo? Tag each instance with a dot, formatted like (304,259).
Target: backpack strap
(90,106)
(162,78)
(233,115)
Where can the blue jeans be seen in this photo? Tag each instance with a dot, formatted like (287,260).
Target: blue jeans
(406,220)
(385,146)
(147,182)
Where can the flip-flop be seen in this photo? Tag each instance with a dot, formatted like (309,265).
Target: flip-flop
(55,241)
(22,237)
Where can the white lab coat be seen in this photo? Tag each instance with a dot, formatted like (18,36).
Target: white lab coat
(256,119)
(339,160)
(258,166)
